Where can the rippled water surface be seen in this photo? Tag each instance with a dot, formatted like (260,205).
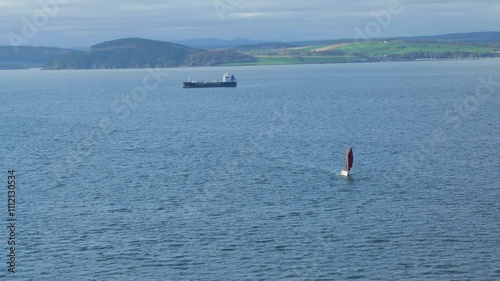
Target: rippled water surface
(124,175)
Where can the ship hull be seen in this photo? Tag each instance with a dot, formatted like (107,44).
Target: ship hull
(209,84)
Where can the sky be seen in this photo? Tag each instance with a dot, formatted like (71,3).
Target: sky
(82,23)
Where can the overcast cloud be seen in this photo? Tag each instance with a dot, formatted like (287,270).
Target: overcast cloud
(73,23)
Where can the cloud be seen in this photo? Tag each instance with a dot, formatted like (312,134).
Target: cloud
(86,22)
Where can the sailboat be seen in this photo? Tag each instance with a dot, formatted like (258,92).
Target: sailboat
(349,159)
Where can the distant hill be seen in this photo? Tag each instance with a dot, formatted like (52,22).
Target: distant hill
(213,43)
(322,42)
(269,45)
(143,53)
(27,57)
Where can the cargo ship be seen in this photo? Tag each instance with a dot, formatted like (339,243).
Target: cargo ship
(227,81)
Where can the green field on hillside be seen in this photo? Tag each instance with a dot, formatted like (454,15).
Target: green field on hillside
(368,51)
(379,48)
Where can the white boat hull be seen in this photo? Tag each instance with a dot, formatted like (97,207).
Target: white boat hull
(344,173)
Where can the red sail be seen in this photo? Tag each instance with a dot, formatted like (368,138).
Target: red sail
(349,159)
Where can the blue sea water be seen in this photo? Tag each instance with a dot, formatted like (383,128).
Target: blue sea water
(124,175)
